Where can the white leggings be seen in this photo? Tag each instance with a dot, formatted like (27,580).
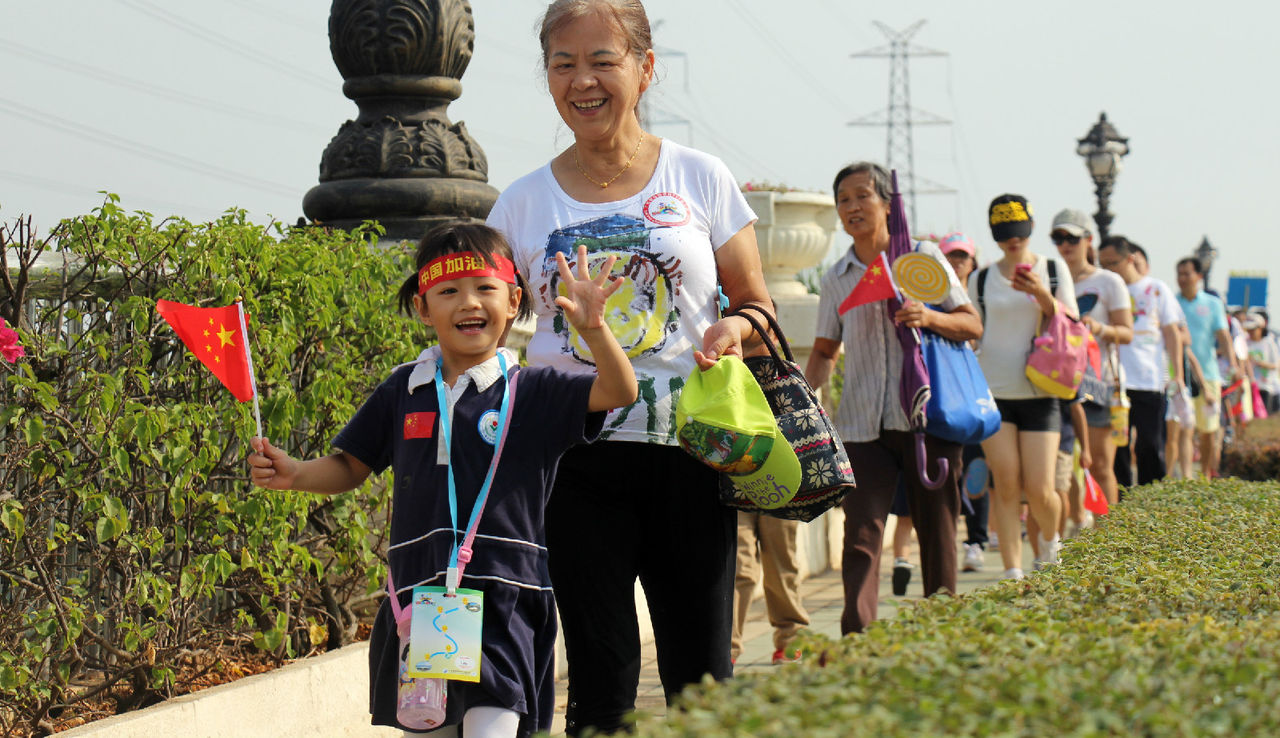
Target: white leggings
(481,722)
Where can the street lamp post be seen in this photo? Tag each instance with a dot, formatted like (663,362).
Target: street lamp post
(1102,149)
(1207,254)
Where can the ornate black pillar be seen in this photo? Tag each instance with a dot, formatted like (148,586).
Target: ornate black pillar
(401,162)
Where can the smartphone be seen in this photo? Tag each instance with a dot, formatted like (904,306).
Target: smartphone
(1023,267)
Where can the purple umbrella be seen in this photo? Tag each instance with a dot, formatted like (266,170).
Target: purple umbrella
(913,389)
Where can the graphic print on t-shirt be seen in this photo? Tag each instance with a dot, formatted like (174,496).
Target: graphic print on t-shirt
(642,313)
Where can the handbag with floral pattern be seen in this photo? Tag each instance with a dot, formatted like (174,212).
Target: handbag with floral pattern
(826,473)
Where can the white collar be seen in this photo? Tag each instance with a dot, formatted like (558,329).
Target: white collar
(482,375)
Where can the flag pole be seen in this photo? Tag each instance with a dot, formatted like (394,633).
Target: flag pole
(902,300)
(248,355)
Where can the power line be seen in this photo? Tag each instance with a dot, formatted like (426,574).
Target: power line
(66,188)
(290,20)
(177,161)
(165,93)
(827,95)
(230,44)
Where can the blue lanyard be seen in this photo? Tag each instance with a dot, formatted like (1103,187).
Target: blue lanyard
(457,554)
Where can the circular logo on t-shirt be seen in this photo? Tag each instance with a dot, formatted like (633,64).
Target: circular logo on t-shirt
(1202,310)
(488,427)
(667,209)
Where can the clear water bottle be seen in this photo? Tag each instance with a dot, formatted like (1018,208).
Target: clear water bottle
(420,702)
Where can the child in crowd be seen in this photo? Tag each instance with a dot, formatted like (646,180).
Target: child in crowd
(442,424)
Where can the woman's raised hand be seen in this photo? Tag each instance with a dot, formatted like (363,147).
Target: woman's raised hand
(585,296)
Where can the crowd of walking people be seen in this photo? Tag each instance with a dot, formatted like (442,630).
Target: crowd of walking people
(634,253)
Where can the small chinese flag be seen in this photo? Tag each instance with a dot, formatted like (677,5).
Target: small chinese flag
(875,285)
(419,425)
(1095,501)
(214,335)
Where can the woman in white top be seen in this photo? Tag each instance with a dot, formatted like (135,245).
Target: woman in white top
(633,504)
(1013,295)
(1106,310)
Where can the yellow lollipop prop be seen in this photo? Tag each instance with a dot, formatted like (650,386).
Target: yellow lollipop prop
(921,278)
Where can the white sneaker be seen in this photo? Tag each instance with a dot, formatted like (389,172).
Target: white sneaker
(1048,552)
(1013,573)
(973,557)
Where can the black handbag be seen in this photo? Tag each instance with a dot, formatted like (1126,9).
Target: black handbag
(826,475)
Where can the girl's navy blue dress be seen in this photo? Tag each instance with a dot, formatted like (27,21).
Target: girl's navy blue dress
(398,426)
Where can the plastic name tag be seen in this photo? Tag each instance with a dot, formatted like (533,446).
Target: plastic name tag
(444,634)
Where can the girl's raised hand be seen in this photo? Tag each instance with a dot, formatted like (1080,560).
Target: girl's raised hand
(585,296)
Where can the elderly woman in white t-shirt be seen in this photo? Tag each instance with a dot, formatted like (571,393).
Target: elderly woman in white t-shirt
(1107,312)
(1013,294)
(633,505)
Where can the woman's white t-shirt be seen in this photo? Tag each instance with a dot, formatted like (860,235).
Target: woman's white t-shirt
(1098,295)
(1010,321)
(665,238)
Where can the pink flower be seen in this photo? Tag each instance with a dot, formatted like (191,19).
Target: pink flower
(10,349)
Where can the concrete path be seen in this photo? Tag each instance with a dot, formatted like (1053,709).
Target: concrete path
(823,596)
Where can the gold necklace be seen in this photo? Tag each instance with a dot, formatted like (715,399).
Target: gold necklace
(625,167)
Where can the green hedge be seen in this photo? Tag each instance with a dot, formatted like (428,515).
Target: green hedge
(1163,620)
(132,549)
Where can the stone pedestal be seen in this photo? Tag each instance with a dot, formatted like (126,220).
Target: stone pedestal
(401,161)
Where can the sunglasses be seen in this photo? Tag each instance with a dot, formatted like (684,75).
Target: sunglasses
(1061,238)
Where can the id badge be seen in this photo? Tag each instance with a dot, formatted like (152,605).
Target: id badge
(444,634)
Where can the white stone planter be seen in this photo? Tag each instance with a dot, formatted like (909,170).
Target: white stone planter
(794,233)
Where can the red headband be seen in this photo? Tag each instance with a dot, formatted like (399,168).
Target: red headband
(464,264)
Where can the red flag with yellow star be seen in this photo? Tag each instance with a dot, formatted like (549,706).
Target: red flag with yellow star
(216,337)
(875,285)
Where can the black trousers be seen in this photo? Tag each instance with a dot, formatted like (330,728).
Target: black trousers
(619,511)
(1146,418)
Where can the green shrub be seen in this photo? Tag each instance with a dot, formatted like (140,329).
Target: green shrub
(1164,620)
(131,540)
(1256,457)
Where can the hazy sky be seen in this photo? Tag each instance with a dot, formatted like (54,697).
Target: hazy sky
(193,107)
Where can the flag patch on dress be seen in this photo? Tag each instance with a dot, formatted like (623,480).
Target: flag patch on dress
(419,425)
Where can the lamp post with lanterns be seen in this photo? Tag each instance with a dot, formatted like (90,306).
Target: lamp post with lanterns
(1103,148)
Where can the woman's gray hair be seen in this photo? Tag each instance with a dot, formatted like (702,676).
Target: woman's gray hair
(628,15)
(879,178)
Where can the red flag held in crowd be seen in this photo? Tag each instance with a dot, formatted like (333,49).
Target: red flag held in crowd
(875,285)
(1094,499)
(214,335)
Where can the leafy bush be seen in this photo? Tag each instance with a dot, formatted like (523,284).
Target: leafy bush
(132,542)
(1256,457)
(1164,620)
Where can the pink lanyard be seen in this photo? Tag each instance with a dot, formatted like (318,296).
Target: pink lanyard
(464,552)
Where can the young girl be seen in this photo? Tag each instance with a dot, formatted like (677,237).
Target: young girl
(468,290)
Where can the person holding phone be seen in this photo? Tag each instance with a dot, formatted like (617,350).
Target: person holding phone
(1017,293)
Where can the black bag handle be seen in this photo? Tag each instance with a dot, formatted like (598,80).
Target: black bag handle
(773,325)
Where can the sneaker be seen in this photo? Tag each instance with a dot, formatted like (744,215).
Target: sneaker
(782,657)
(901,576)
(973,557)
(1049,550)
(993,540)
(1013,573)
